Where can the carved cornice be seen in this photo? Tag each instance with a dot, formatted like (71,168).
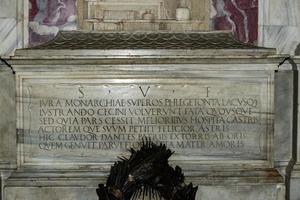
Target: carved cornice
(144,40)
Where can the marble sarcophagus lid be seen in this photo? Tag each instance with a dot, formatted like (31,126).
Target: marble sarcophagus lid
(85,98)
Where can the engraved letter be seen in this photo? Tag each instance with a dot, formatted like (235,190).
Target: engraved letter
(144,93)
(81,92)
(207,91)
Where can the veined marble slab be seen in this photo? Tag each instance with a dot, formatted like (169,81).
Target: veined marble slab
(8,36)
(284,38)
(204,117)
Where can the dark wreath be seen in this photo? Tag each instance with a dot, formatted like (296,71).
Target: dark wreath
(146,173)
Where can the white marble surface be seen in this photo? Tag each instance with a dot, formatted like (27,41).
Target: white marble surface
(281,12)
(284,38)
(8,8)
(279,25)
(8,36)
(8,27)
(13,26)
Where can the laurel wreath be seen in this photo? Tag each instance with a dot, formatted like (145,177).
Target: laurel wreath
(146,173)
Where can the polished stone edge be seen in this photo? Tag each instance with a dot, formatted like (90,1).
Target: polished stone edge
(8,166)
(152,53)
(137,69)
(133,65)
(78,178)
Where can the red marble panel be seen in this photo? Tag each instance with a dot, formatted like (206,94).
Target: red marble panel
(240,16)
(47,17)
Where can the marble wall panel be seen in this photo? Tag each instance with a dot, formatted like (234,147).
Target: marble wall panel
(294,190)
(278,12)
(284,38)
(279,25)
(8,35)
(8,8)
(13,26)
(8,27)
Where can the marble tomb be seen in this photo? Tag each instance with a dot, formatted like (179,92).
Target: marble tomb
(86,97)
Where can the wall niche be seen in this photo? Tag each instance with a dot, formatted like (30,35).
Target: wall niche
(144,15)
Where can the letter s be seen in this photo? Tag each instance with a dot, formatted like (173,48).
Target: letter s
(81,92)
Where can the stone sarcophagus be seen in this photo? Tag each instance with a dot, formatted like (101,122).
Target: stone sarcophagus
(85,98)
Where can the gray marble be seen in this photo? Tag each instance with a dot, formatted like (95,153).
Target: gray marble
(222,192)
(52,193)
(283,129)
(8,150)
(245,192)
(297,60)
(7,120)
(295,183)
(295,175)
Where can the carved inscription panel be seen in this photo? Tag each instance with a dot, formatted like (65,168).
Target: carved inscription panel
(69,120)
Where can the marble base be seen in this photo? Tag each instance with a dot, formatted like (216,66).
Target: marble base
(295,183)
(233,184)
(245,192)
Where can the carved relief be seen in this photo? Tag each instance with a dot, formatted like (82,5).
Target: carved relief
(132,15)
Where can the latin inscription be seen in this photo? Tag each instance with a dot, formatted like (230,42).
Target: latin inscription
(107,119)
(205,122)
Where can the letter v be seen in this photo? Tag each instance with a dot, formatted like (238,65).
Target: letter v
(144,93)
